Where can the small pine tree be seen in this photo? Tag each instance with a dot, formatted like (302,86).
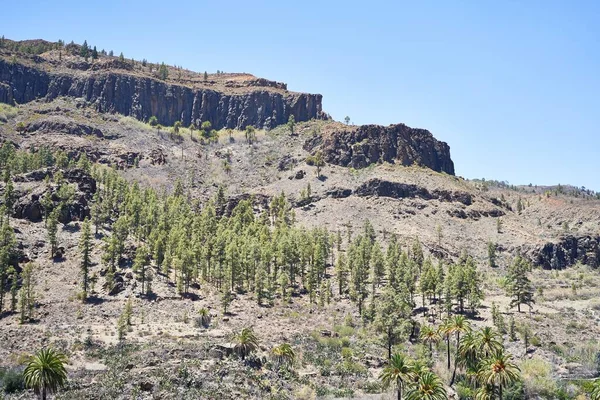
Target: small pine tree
(491,248)
(86,246)
(163,72)
(85,50)
(226,300)
(291,124)
(52,230)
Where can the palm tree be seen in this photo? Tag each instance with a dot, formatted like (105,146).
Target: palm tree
(204,318)
(245,342)
(428,387)
(446,331)
(488,341)
(498,371)
(458,324)
(595,394)
(430,336)
(283,354)
(399,371)
(468,352)
(46,372)
(485,392)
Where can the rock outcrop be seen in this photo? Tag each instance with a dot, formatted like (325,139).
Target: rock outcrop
(29,203)
(566,252)
(358,147)
(397,190)
(142,97)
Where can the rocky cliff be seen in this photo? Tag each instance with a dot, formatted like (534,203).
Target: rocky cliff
(361,146)
(567,251)
(142,97)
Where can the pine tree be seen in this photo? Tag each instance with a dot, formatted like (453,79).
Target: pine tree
(85,50)
(491,248)
(392,317)
(341,274)
(140,265)
(52,230)
(291,124)
(9,194)
(226,300)
(86,247)
(519,286)
(27,295)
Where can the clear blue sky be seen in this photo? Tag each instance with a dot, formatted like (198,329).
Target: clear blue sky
(512,86)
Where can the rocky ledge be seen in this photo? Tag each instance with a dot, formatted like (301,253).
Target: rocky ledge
(142,97)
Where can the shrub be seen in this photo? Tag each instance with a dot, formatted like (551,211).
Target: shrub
(11,380)
(537,378)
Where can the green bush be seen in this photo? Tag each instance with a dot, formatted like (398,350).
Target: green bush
(344,330)
(11,380)
(464,392)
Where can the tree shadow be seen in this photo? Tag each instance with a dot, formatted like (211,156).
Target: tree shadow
(71,228)
(190,296)
(94,300)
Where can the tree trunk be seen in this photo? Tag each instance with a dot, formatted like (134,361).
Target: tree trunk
(455,358)
(448,347)
(500,392)
(44,393)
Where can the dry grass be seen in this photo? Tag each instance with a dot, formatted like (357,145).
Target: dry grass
(537,376)
(7,112)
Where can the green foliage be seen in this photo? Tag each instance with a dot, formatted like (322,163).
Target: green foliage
(11,380)
(85,245)
(491,249)
(250,134)
(291,124)
(27,294)
(519,286)
(153,121)
(283,355)
(317,160)
(204,318)
(246,342)
(45,372)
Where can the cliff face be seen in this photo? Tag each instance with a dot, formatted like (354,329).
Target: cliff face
(566,252)
(143,97)
(368,144)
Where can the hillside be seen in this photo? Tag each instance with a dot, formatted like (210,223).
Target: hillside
(203,216)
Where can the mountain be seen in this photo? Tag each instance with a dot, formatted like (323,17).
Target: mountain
(312,233)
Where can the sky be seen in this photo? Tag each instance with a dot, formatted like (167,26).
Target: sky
(512,86)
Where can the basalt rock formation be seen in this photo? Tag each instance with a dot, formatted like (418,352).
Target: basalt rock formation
(567,251)
(358,147)
(264,104)
(397,190)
